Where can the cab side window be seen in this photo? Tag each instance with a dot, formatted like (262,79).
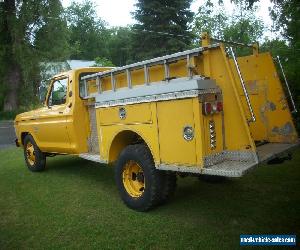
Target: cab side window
(58,93)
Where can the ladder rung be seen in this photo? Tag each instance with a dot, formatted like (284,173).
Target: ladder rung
(146,73)
(128,74)
(188,65)
(99,84)
(113,82)
(167,70)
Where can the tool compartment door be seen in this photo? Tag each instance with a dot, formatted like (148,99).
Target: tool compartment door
(172,117)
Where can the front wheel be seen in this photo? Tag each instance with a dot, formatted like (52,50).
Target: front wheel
(137,179)
(35,159)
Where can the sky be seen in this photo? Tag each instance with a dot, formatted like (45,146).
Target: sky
(118,12)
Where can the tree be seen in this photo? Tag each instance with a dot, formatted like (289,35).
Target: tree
(210,19)
(241,26)
(56,31)
(10,40)
(286,16)
(163,27)
(22,47)
(103,62)
(88,35)
(120,46)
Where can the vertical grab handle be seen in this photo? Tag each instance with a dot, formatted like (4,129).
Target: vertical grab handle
(287,86)
(85,88)
(253,119)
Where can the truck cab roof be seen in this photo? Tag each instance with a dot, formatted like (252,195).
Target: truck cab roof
(80,70)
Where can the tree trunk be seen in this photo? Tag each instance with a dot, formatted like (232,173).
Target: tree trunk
(13,73)
(13,80)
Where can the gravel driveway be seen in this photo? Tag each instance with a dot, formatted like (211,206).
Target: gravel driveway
(7,134)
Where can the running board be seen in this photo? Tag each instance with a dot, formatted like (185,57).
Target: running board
(92,157)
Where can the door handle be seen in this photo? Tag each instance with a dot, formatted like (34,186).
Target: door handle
(61,112)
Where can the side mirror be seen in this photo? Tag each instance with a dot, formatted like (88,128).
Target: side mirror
(42,94)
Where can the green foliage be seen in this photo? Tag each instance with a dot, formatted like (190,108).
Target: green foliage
(211,19)
(163,27)
(241,26)
(52,38)
(103,62)
(286,16)
(10,115)
(88,34)
(31,31)
(120,46)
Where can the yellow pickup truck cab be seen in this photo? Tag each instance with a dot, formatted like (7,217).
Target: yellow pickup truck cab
(202,112)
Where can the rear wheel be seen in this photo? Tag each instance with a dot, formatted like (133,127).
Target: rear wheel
(35,159)
(169,186)
(137,179)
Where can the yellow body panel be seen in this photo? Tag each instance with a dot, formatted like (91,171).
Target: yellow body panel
(236,129)
(273,118)
(135,114)
(115,133)
(173,148)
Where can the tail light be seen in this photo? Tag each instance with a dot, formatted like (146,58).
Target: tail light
(219,106)
(212,107)
(208,108)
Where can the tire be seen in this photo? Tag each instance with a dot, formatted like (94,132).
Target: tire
(138,181)
(35,159)
(169,187)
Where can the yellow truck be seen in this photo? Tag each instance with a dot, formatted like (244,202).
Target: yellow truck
(203,112)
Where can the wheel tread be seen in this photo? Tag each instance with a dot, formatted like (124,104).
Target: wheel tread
(142,152)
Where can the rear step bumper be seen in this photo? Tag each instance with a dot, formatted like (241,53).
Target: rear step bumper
(270,151)
(229,168)
(265,153)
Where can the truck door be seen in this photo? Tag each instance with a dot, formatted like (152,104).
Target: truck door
(53,133)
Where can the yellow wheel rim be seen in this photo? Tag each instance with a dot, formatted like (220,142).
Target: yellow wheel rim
(30,153)
(133,179)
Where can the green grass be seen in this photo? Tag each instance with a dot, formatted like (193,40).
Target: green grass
(74,204)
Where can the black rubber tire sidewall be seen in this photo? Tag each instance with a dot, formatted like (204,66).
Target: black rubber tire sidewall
(169,187)
(153,179)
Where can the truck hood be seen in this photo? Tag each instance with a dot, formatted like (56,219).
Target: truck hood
(29,115)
